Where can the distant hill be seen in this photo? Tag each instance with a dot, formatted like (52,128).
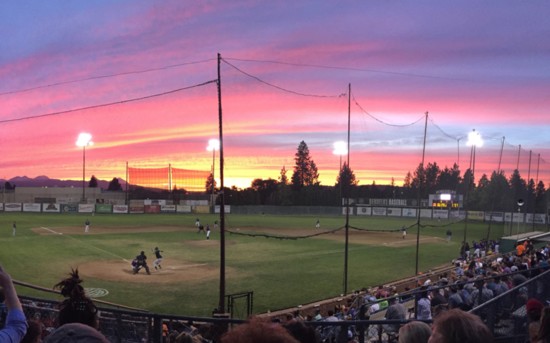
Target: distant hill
(44,181)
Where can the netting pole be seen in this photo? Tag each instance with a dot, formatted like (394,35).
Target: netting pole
(221,305)
(127,183)
(347,201)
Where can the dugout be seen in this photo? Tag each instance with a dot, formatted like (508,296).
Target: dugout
(508,244)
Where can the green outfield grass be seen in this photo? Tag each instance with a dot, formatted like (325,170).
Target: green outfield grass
(281,273)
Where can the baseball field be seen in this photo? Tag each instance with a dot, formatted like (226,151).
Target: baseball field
(284,260)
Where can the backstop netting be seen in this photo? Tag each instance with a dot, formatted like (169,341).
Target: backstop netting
(168,178)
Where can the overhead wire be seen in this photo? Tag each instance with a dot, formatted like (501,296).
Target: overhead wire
(380,120)
(279,87)
(106,104)
(105,76)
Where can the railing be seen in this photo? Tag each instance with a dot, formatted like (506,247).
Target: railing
(504,315)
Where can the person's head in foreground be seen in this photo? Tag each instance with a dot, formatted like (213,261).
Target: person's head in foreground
(457,326)
(76,332)
(258,331)
(415,332)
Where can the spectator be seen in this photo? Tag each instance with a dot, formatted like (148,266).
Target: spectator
(396,311)
(16,324)
(257,331)
(77,307)
(457,326)
(534,311)
(34,332)
(544,331)
(424,311)
(76,332)
(415,332)
(302,332)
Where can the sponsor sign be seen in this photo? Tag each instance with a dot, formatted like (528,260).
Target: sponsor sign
(426,213)
(183,208)
(364,211)
(31,207)
(475,215)
(441,214)
(394,212)
(201,209)
(168,208)
(226,209)
(51,207)
(137,209)
(151,208)
(12,207)
(120,208)
(103,208)
(378,211)
(2,206)
(69,208)
(86,208)
(349,209)
(494,217)
(154,202)
(538,218)
(409,212)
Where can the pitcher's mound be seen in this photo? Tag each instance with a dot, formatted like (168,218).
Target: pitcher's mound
(171,271)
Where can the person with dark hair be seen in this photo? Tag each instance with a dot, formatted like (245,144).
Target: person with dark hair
(457,326)
(534,312)
(158,258)
(76,332)
(34,332)
(258,331)
(16,324)
(544,330)
(415,332)
(140,262)
(302,332)
(77,307)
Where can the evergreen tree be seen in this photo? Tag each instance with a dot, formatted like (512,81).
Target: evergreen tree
(114,185)
(282,177)
(93,182)
(210,186)
(305,171)
(346,180)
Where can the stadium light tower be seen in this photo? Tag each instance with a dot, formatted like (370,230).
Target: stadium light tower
(474,141)
(84,140)
(213,145)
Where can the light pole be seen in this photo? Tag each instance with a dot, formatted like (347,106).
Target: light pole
(520,203)
(213,145)
(474,141)
(340,149)
(84,140)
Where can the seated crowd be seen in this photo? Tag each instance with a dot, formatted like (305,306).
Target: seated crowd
(442,302)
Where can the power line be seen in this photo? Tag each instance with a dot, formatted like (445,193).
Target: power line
(105,76)
(380,120)
(107,104)
(281,88)
(348,68)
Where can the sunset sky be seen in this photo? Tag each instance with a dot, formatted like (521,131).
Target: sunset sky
(138,76)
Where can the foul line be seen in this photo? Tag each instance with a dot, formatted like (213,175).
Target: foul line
(91,246)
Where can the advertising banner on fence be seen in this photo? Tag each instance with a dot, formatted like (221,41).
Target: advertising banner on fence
(69,208)
(409,212)
(475,215)
(120,208)
(51,207)
(426,213)
(86,208)
(350,210)
(394,212)
(154,202)
(151,208)
(168,208)
(378,211)
(539,218)
(103,208)
(226,209)
(12,207)
(31,207)
(137,209)
(364,211)
(2,206)
(494,217)
(441,214)
(183,208)
(201,209)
